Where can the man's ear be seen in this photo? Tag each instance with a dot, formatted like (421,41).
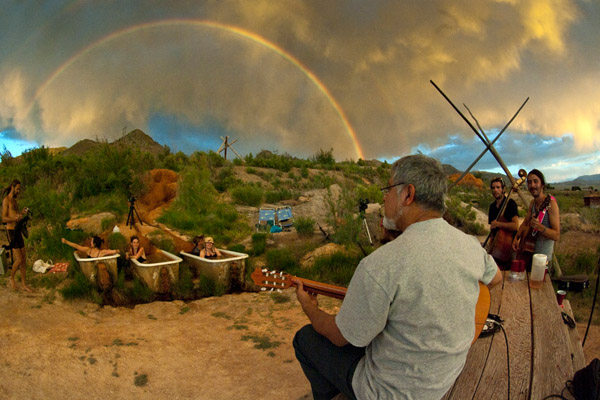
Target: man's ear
(409,197)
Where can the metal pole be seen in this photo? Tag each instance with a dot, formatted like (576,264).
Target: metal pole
(489,145)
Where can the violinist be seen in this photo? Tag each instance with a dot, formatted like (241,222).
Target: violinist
(502,226)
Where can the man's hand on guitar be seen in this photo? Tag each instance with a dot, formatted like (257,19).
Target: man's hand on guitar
(304,297)
(535,224)
(495,224)
(516,242)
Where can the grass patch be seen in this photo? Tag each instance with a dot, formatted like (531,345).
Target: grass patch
(259,243)
(140,380)
(279,298)
(184,310)
(208,287)
(261,341)
(304,226)
(141,292)
(281,259)
(184,288)
(249,195)
(221,314)
(80,287)
(150,316)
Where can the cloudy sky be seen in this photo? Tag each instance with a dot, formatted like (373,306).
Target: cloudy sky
(298,76)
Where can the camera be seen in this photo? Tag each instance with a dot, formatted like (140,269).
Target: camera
(131,199)
(362,205)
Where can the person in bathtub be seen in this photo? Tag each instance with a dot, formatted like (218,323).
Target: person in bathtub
(94,250)
(198,244)
(209,250)
(135,252)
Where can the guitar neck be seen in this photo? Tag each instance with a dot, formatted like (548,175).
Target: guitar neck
(325,289)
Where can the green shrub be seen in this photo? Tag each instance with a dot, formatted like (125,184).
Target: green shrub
(275,196)
(239,248)
(281,260)
(140,292)
(336,268)
(249,195)
(161,241)
(304,171)
(463,217)
(184,288)
(324,157)
(304,226)
(259,243)
(208,287)
(117,241)
(79,288)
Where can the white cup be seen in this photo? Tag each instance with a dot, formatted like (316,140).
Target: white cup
(538,270)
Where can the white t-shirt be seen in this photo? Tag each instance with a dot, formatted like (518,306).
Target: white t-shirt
(412,304)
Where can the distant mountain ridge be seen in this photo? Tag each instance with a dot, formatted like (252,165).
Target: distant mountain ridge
(135,140)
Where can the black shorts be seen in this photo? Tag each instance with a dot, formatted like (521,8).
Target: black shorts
(15,239)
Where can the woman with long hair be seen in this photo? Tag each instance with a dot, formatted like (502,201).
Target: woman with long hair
(93,250)
(135,252)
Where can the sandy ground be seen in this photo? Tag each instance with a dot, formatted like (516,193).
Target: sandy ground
(205,349)
(234,346)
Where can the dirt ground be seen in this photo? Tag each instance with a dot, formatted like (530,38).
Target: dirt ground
(234,346)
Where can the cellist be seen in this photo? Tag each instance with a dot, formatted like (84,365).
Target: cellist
(503,226)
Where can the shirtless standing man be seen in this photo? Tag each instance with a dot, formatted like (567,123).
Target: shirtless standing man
(11,215)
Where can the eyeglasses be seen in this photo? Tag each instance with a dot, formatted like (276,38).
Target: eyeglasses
(386,190)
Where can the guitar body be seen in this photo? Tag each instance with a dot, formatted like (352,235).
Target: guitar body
(502,245)
(527,243)
(273,280)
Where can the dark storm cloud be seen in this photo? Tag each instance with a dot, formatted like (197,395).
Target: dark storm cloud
(375,58)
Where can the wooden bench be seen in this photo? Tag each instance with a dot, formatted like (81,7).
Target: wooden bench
(543,351)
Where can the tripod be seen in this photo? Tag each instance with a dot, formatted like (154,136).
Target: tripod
(366,226)
(132,211)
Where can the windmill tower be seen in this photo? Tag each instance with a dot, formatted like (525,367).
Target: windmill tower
(226,145)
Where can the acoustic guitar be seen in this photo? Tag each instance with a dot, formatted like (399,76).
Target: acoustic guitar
(276,280)
(529,237)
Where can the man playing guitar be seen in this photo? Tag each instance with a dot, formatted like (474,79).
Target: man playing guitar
(542,223)
(406,323)
(504,226)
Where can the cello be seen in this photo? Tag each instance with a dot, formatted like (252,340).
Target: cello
(500,247)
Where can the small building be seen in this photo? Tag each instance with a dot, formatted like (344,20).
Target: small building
(592,200)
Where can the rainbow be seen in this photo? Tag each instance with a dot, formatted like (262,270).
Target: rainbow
(210,24)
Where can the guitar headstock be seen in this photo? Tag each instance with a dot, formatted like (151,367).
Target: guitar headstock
(269,279)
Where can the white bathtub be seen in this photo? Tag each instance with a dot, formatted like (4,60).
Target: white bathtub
(89,266)
(150,273)
(229,270)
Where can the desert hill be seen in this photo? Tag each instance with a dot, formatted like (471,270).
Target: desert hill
(135,140)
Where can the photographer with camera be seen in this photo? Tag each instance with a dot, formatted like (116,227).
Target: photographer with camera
(15,226)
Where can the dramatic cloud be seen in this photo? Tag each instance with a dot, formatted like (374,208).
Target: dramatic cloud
(297,76)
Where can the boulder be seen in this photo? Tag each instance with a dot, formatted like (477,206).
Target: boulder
(91,224)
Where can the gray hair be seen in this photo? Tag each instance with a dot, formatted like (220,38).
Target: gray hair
(428,178)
